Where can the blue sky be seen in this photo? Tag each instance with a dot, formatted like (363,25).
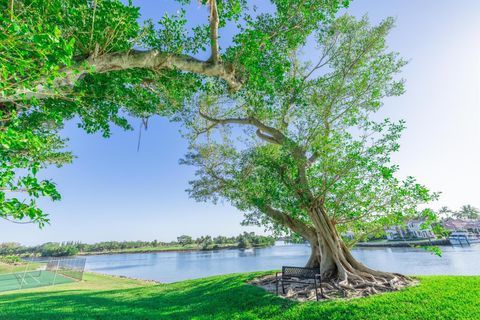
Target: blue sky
(113,192)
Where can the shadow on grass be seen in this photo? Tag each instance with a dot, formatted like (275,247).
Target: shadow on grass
(222,298)
(229,297)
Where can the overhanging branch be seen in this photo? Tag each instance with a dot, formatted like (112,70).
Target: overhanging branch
(151,59)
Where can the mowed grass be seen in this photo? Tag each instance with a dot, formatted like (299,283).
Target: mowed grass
(9,268)
(229,297)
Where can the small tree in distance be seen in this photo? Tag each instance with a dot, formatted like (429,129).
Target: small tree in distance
(184,240)
(444,212)
(467,212)
(244,241)
(204,241)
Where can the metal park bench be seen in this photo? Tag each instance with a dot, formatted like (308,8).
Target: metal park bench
(299,275)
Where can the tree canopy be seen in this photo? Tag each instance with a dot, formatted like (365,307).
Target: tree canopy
(312,142)
(288,140)
(306,156)
(92,60)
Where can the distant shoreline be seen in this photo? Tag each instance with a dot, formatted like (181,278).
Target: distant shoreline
(396,244)
(142,250)
(372,244)
(386,244)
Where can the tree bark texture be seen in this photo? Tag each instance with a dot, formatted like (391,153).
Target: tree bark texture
(151,59)
(337,264)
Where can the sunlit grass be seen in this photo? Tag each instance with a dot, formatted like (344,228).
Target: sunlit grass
(9,268)
(229,297)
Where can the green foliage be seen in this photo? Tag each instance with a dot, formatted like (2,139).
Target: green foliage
(310,142)
(231,297)
(250,239)
(47,78)
(184,240)
(52,249)
(11,259)
(264,44)
(244,242)
(39,41)
(467,212)
(11,248)
(24,150)
(204,242)
(172,35)
(43,37)
(43,49)
(433,249)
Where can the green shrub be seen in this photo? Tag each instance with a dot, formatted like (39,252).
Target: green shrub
(11,259)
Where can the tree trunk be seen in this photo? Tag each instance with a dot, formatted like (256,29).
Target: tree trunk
(337,264)
(314,260)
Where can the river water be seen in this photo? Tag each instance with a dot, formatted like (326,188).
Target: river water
(177,266)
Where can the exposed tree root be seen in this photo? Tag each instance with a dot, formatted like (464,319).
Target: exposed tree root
(354,286)
(343,275)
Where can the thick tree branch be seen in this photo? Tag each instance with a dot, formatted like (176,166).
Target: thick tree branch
(151,59)
(271,135)
(266,137)
(4,189)
(215,57)
(274,135)
(17,222)
(10,8)
(295,225)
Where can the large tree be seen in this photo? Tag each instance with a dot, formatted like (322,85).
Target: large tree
(92,60)
(307,156)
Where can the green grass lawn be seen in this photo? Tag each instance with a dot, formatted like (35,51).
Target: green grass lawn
(9,268)
(229,297)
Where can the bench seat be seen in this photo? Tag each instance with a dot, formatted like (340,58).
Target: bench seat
(299,275)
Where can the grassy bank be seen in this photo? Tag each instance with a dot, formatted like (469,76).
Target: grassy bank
(183,243)
(9,268)
(228,297)
(167,248)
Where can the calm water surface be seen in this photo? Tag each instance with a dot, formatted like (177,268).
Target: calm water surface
(177,266)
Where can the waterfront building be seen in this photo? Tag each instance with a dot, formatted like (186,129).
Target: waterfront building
(413,229)
(453,225)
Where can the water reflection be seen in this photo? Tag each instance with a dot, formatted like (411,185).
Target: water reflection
(177,266)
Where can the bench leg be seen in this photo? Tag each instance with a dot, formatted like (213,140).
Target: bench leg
(321,289)
(276,286)
(316,289)
(283,287)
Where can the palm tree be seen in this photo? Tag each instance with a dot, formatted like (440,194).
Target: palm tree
(444,212)
(469,212)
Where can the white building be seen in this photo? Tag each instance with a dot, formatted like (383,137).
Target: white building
(413,229)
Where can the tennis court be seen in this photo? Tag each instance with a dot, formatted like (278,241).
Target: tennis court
(31,279)
(54,272)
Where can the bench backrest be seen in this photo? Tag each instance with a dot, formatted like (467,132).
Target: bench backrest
(299,272)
